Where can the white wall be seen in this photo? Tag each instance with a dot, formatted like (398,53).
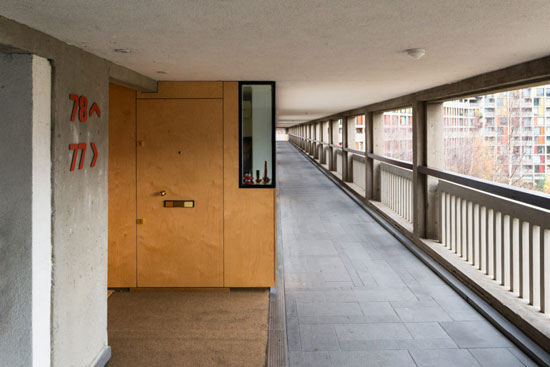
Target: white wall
(25,213)
(41,211)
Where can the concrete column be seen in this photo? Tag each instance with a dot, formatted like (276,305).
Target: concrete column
(377,148)
(322,158)
(331,142)
(315,146)
(369,162)
(344,147)
(420,182)
(25,213)
(350,144)
(435,159)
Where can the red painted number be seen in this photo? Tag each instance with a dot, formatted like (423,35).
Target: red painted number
(82,147)
(74,98)
(83,155)
(74,148)
(83,109)
(80,107)
(94,150)
(95,109)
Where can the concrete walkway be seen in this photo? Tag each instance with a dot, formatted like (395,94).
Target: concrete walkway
(356,297)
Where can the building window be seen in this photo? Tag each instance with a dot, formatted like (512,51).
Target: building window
(257,134)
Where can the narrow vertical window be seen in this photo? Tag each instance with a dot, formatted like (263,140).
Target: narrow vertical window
(257,134)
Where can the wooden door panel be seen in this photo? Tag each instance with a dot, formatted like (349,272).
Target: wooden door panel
(122,187)
(180,151)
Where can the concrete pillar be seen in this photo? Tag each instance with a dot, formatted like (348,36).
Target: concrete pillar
(322,157)
(351,145)
(344,147)
(369,162)
(377,148)
(25,213)
(315,144)
(435,159)
(420,181)
(331,142)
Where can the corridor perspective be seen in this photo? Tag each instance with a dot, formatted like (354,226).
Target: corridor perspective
(259,183)
(355,296)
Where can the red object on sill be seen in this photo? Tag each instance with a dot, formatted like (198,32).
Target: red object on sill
(248,180)
(266,179)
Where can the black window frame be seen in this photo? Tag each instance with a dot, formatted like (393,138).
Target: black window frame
(272,184)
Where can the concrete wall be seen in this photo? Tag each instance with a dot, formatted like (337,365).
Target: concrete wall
(79,213)
(16,210)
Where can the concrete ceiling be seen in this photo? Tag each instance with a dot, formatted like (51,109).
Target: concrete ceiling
(326,55)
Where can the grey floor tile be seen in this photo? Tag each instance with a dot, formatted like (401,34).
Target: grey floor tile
(475,334)
(317,338)
(426,330)
(374,331)
(444,357)
(390,344)
(385,294)
(458,308)
(340,296)
(527,362)
(328,309)
(352,319)
(422,313)
(495,357)
(385,358)
(377,308)
(294,340)
(309,359)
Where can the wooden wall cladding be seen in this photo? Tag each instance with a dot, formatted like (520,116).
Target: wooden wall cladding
(186,90)
(249,214)
(122,187)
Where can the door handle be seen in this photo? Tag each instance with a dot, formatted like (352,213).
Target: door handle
(162,193)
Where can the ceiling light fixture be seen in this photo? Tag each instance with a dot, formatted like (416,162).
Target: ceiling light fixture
(416,53)
(123,50)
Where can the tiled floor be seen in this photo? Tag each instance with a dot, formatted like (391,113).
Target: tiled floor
(356,297)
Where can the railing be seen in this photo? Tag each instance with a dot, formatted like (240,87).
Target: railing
(358,170)
(396,190)
(506,240)
(502,231)
(338,161)
(494,237)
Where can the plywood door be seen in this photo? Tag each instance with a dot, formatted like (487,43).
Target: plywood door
(122,187)
(180,151)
